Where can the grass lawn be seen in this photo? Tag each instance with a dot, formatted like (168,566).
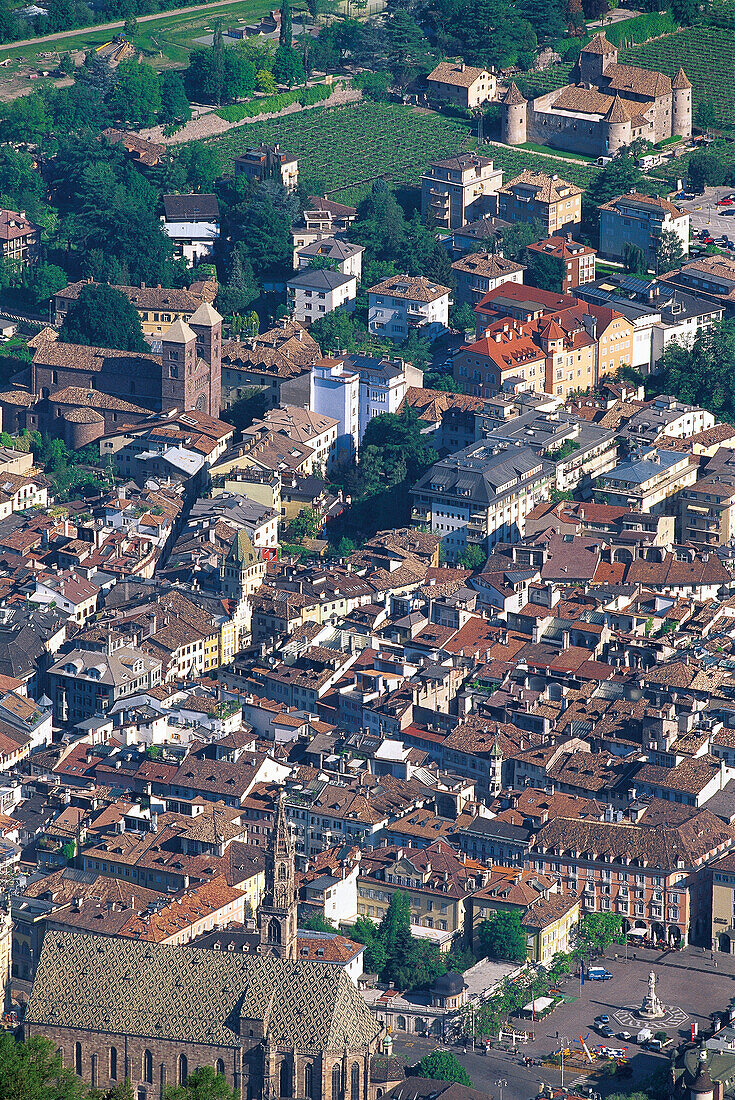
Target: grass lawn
(533,147)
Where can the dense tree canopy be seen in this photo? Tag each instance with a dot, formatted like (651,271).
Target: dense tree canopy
(701,374)
(442,1065)
(102,317)
(502,936)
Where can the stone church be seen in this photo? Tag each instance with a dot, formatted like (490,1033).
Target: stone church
(79,393)
(608,107)
(274,1026)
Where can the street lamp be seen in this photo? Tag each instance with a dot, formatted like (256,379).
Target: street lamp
(501,1083)
(563,1040)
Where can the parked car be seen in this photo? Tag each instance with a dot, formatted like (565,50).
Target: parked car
(598,974)
(708,239)
(654,1045)
(602,1019)
(606,1031)
(624,1036)
(727,213)
(724,202)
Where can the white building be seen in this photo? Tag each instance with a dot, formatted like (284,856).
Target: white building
(402,303)
(383,385)
(192,223)
(342,255)
(334,390)
(315,292)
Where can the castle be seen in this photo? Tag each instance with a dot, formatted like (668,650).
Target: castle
(607,109)
(79,393)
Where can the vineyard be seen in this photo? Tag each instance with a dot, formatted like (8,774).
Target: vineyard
(345,148)
(708,57)
(341,146)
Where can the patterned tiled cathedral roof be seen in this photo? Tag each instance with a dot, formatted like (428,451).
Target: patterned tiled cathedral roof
(188,994)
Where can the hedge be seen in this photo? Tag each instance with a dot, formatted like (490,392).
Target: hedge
(641,28)
(272,104)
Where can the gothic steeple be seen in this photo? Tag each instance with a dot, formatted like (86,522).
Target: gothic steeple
(277,913)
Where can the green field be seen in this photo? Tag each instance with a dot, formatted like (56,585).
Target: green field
(708,57)
(345,148)
(171,34)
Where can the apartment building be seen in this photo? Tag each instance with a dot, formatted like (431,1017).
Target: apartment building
(459,190)
(479,272)
(556,353)
(710,277)
(722,929)
(314,430)
(549,917)
(648,481)
(578,259)
(461,85)
(323,218)
(402,303)
(521,302)
(640,220)
(708,506)
(314,292)
(535,196)
(650,869)
(480,496)
(434,878)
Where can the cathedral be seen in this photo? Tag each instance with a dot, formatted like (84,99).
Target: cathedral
(274,1026)
(610,106)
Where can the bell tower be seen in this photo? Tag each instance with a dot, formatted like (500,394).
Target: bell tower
(277,913)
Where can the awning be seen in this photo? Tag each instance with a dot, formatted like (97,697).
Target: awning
(540,1004)
(637,932)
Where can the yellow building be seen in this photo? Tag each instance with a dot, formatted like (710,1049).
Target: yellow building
(536,196)
(158,307)
(549,918)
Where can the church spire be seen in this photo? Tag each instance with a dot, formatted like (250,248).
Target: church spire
(277,913)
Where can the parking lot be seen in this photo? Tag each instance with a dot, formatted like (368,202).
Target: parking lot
(705,214)
(686,979)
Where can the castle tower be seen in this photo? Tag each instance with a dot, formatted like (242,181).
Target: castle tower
(594,59)
(178,364)
(617,126)
(681,111)
(277,913)
(206,322)
(514,117)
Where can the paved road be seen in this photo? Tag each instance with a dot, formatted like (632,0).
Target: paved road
(704,213)
(121,23)
(680,983)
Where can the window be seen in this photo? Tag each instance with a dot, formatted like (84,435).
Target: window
(220,1070)
(183,1071)
(285,1074)
(78,1059)
(148,1067)
(355,1081)
(113,1063)
(309,1082)
(336,1083)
